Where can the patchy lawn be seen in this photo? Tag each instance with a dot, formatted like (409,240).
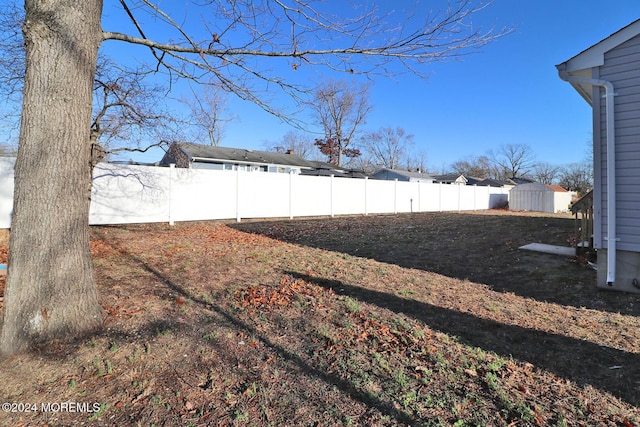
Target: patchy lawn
(423,319)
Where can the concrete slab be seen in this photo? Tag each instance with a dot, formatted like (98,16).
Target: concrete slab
(550,249)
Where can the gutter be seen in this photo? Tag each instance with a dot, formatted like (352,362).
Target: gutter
(611,165)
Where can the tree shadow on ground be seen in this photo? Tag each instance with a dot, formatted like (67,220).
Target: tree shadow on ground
(482,248)
(586,364)
(345,386)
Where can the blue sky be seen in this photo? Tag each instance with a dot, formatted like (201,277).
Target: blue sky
(506,93)
(509,92)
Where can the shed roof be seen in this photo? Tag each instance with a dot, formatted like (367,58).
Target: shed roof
(581,64)
(537,186)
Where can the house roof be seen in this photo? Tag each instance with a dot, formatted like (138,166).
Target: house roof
(449,177)
(345,173)
(210,153)
(557,188)
(519,181)
(400,172)
(581,64)
(490,182)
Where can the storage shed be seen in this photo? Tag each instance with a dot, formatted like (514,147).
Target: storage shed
(538,197)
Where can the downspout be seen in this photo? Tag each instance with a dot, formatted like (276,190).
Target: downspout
(611,165)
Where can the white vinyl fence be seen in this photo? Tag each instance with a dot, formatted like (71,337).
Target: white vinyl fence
(139,194)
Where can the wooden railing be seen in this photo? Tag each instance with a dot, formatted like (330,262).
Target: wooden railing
(582,209)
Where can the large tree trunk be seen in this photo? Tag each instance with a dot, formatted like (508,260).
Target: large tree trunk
(50,290)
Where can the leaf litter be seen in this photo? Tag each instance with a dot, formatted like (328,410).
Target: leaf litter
(354,320)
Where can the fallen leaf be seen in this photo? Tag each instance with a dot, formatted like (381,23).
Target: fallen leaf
(471,372)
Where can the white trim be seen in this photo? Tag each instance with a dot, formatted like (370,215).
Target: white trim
(594,56)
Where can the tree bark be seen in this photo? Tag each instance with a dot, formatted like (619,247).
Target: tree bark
(50,291)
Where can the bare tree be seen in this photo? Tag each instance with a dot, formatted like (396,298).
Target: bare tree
(514,161)
(11,67)
(295,142)
(545,173)
(11,51)
(340,108)
(208,112)
(364,163)
(417,161)
(127,112)
(475,166)
(389,147)
(577,177)
(50,291)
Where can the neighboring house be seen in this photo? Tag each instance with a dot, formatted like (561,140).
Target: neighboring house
(402,175)
(518,181)
(607,76)
(327,169)
(489,182)
(197,156)
(538,197)
(451,178)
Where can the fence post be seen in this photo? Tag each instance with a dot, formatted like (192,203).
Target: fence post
(331,195)
(290,194)
(172,168)
(366,181)
(238,218)
(395,196)
(475,195)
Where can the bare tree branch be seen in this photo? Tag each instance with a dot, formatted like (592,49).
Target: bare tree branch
(208,110)
(304,33)
(389,147)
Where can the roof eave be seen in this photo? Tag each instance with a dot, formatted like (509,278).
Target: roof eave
(581,65)
(594,55)
(246,162)
(584,90)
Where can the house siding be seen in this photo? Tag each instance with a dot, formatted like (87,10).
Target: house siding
(622,68)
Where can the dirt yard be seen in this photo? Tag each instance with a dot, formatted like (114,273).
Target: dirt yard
(422,319)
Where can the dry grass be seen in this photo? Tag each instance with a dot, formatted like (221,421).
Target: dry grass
(425,319)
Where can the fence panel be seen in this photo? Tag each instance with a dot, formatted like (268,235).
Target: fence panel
(310,195)
(263,195)
(138,194)
(6,190)
(348,196)
(201,194)
(406,197)
(129,194)
(380,196)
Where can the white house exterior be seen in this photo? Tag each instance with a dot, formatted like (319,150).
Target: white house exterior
(402,175)
(607,76)
(538,197)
